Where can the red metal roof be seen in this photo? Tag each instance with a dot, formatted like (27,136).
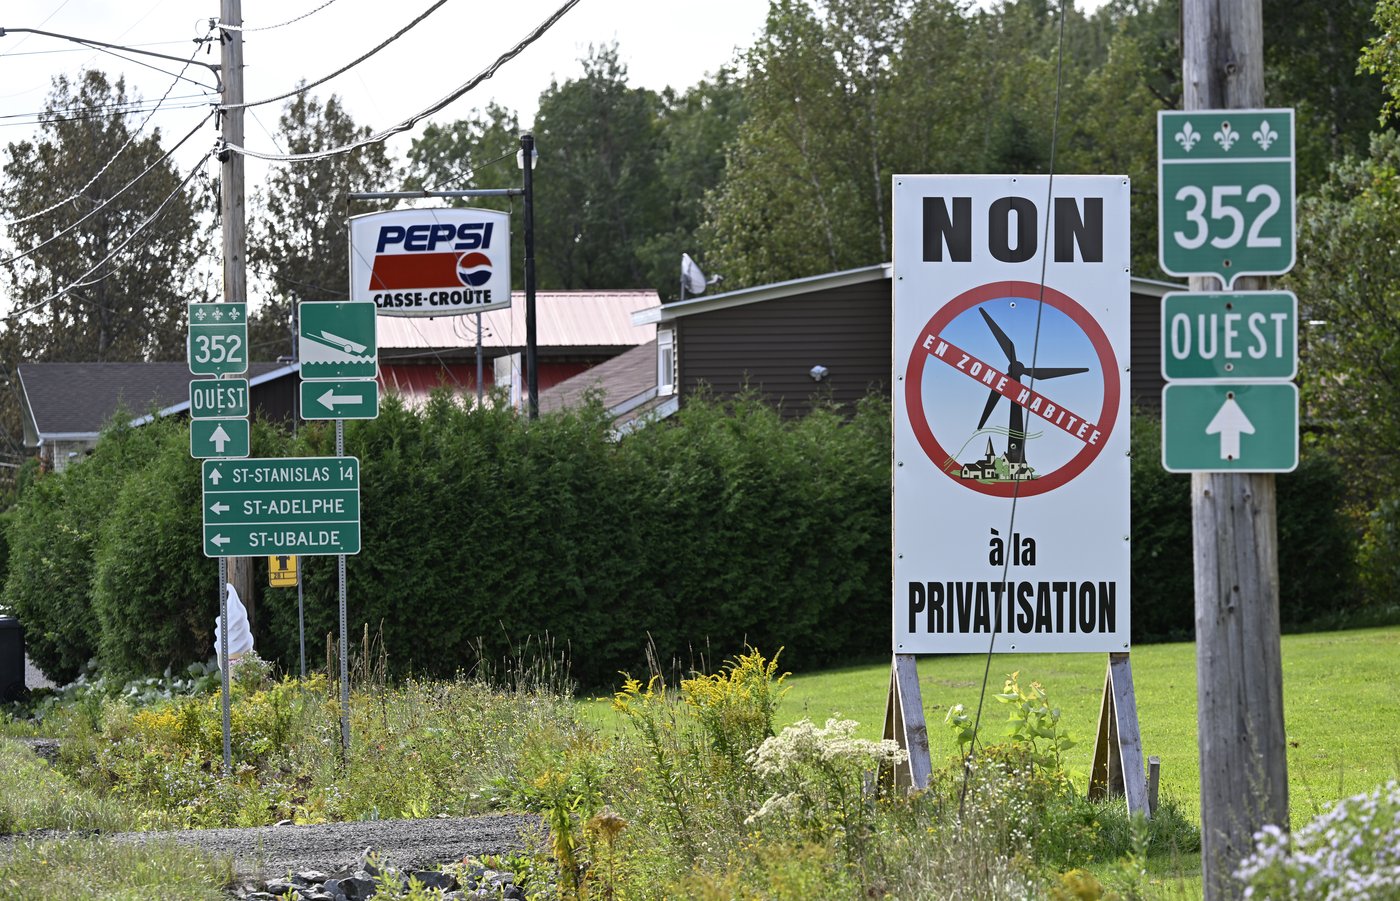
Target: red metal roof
(564,319)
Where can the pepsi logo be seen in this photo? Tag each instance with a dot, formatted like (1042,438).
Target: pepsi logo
(474,269)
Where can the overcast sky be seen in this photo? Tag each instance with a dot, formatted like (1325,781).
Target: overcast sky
(662,42)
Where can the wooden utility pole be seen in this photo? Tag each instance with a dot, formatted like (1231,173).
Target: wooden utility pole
(235,227)
(1244,767)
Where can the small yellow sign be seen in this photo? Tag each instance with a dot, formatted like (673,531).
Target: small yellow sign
(282,571)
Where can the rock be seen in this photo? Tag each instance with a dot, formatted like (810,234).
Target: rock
(433,879)
(316,895)
(351,888)
(280,886)
(261,896)
(309,877)
(494,877)
(285,823)
(514,892)
(366,863)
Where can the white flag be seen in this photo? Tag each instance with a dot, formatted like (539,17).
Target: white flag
(691,276)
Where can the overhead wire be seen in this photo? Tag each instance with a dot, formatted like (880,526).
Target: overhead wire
(246,30)
(83,280)
(413,120)
(139,106)
(303,88)
(1035,353)
(460,177)
(130,139)
(104,204)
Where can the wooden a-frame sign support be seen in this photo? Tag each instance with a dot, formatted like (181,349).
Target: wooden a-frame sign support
(1117,768)
(904,722)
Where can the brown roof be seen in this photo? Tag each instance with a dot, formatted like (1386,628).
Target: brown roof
(621,378)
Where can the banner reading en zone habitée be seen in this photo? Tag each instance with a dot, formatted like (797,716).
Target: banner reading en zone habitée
(1011,328)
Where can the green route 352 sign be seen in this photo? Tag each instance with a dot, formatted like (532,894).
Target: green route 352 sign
(1225,192)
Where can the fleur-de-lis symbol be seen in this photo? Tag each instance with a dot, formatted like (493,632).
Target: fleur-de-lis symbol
(233,314)
(199,314)
(218,315)
(1188,137)
(1265,135)
(1226,136)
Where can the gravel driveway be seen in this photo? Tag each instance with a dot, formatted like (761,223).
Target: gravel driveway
(271,851)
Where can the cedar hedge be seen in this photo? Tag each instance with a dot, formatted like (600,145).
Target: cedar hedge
(723,526)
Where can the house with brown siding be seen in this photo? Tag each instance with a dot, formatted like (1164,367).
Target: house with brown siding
(826,339)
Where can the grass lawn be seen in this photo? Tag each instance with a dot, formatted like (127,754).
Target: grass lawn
(1338,695)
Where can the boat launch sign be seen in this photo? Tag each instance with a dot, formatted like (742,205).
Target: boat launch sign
(1011,313)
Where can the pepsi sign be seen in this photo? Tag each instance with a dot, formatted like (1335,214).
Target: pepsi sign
(438,262)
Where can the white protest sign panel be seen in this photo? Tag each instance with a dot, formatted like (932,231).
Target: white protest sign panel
(1011,389)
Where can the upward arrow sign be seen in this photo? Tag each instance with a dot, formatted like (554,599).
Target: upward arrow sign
(1229,422)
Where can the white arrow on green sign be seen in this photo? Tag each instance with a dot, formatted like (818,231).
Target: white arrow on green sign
(1230,427)
(218,438)
(296,505)
(340,399)
(1225,196)
(1228,336)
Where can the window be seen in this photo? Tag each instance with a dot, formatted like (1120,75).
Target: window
(665,362)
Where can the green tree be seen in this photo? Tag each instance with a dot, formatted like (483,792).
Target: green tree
(85,306)
(696,126)
(598,193)
(471,154)
(298,236)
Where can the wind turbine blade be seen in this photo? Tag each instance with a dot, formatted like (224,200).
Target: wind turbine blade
(1050,372)
(1006,346)
(987,410)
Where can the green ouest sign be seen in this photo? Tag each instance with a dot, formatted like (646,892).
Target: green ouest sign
(1225,195)
(1229,335)
(296,505)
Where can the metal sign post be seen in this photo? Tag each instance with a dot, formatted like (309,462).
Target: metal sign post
(344,664)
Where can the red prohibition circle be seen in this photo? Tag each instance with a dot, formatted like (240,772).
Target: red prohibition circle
(1030,291)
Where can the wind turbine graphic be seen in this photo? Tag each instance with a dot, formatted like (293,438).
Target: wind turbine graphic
(1015,449)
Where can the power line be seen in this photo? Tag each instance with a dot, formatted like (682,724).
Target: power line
(82,280)
(460,177)
(77,49)
(301,89)
(121,109)
(130,139)
(413,120)
(280,24)
(101,206)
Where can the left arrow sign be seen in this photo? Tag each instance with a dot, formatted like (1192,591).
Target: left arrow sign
(220,540)
(218,508)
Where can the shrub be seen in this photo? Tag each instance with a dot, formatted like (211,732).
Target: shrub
(54,539)
(1351,852)
(1316,544)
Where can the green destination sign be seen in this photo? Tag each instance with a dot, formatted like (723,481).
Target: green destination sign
(340,399)
(295,505)
(1230,336)
(1240,427)
(218,398)
(218,338)
(218,438)
(1225,198)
